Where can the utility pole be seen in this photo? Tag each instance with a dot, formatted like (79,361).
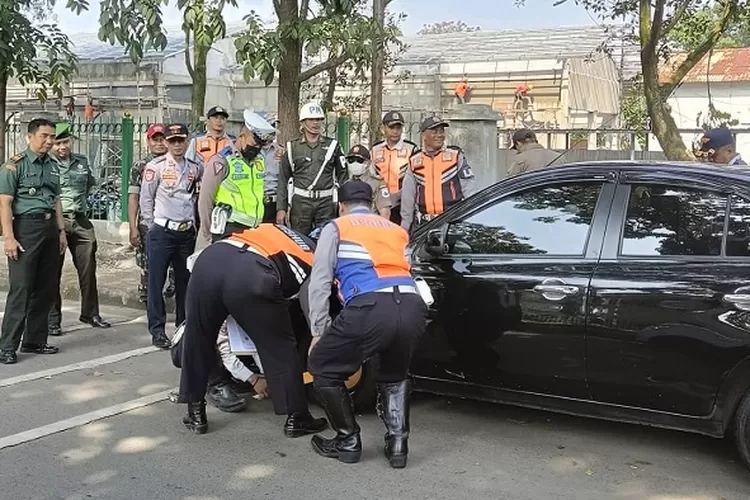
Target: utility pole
(378,63)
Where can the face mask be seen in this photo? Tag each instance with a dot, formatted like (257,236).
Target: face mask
(250,152)
(357,168)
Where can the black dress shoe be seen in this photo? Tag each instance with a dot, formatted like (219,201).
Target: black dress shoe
(55,330)
(95,321)
(196,420)
(301,424)
(8,358)
(223,397)
(162,342)
(39,349)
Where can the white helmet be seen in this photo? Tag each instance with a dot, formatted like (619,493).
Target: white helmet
(311,111)
(259,126)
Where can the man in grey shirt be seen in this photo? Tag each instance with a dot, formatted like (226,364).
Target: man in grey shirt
(531,155)
(167,202)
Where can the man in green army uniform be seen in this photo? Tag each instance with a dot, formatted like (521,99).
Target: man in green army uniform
(361,169)
(156,147)
(76,182)
(34,238)
(309,175)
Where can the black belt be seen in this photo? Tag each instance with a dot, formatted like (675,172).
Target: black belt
(36,216)
(72,215)
(269,198)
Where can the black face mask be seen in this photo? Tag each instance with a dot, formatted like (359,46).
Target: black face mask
(249,153)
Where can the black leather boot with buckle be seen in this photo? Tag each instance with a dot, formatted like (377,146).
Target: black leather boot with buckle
(393,408)
(196,420)
(346,446)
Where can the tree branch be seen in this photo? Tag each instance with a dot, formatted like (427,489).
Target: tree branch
(644,25)
(188,63)
(678,14)
(695,56)
(303,8)
(332,62)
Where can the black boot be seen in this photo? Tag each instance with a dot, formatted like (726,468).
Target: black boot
(224,398)
(393,408)
(196,420)
(346,446)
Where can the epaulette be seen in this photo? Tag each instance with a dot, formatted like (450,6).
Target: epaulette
(231,136)
(190,160)
(225,151)
(455,148)
(377,144)
(17,158)
(416,150)
(407,141)
(159,159)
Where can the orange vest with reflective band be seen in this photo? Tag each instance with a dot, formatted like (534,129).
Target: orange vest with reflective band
(438,184)
(270,239)
(392,163)
(371,254)
(207,146)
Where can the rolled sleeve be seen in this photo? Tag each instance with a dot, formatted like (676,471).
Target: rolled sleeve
(321,280)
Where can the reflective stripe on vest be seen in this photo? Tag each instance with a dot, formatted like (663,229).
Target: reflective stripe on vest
(242,189)
(207,146)
(438,184)
(392,164)
(271,239)
(371,255)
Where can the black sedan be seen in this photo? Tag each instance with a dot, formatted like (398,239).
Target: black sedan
(610,290)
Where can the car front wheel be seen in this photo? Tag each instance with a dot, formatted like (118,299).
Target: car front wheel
(742,429)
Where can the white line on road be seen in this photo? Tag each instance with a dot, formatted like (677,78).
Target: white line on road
(86,418)
(92,363)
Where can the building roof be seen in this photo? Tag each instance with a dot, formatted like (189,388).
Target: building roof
(723,65)
(524,44)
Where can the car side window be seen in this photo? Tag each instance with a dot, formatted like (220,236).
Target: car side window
(738,234)
(668,220)
(547,220)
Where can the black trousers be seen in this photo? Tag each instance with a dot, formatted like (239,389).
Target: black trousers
(167,247)
(307,213)
(245,286)
(33,278)
(82,245)
(269,211)
(389,324)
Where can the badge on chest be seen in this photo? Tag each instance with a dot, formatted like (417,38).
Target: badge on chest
(169,176)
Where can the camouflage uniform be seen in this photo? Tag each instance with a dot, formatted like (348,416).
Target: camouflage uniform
(141,256)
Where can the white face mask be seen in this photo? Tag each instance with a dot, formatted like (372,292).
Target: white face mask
(357,168)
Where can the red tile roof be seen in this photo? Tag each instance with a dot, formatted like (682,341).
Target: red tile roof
(727,65)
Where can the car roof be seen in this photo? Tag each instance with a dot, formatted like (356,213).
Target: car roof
(684,167)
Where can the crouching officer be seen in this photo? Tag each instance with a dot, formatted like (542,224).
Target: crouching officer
(383,313)
(76,180)
(260,271)
(438,177)
(311,170)
(360,168)
(231,196)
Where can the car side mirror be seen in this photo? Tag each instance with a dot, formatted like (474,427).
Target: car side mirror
(435,244)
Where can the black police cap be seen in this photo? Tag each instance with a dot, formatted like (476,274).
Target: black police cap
(355,191)
(359,151)
(175,130)
(392,117)
(217,111)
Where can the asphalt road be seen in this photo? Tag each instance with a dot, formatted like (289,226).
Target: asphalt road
(94,421)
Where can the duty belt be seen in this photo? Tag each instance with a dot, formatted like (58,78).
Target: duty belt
(401,289)
(173,225)
(313,193)
(36,215)
(269,198)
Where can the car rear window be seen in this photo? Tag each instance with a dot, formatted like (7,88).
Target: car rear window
(668,220)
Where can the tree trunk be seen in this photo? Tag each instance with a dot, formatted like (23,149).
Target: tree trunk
(290,68)
(376,78)
(330,90)
(3,113)
(198,96)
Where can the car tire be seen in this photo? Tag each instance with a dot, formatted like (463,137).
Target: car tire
(363,393)
(742,429)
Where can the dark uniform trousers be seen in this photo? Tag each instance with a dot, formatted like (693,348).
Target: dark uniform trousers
(33,278)
(166,246)
(269,208)
(245,286)
(82,245)
(308,213)
(141,259)
(389,324)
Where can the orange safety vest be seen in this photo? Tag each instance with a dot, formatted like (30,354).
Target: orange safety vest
(438,184)
(392,163)
(271,240)
(207,146)
(371,254)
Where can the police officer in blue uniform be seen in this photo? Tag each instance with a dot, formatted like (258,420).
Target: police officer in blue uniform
(167,202)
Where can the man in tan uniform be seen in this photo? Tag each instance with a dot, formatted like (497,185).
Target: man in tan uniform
(361,169)
(531,155)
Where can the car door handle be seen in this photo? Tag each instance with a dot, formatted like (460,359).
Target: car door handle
(556,292)
(739,300)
